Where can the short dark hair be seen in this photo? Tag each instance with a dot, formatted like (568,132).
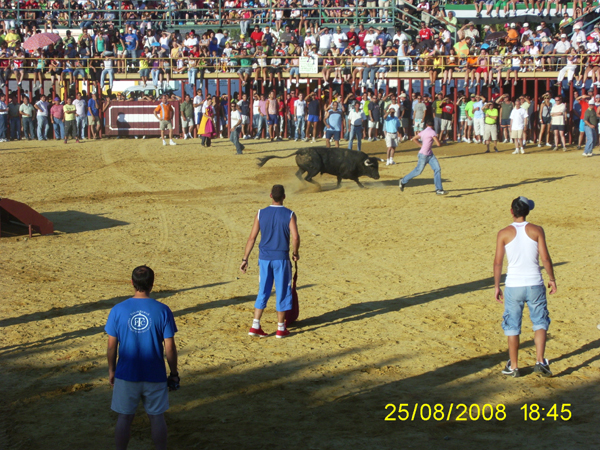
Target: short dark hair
(429,123)
(142,278)
(519,208)
(278,193)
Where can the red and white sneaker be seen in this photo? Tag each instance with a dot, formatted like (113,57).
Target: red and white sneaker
(282,334)
(257,332)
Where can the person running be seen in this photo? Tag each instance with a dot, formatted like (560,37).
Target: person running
(524,244)
(426,156)
(276,224)
(164,114)
(137,330)
(391,127)
(236,128)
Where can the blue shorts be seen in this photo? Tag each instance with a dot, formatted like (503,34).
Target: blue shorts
(312,118)
(332,134)
(280,272)
(514,302)
(128,394)
(581,126)
(273,119)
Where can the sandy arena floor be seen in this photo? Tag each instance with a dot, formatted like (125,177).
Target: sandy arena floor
(396,296)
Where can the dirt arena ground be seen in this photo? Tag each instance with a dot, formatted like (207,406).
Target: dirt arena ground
(396,296)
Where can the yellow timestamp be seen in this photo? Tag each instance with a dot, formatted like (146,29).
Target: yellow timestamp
(460,412)
(535,412)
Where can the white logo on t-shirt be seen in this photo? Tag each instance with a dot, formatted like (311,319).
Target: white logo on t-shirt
(139,322)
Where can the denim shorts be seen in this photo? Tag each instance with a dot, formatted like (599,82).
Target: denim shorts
(514,302)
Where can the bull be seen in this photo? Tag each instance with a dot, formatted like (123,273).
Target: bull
(342,163)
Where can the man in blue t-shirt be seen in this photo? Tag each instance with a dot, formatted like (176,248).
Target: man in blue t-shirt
(131,44)
(276,224)
(94,116)
(333,120)
(137,328)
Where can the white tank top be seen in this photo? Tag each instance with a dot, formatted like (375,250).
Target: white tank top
(523,260)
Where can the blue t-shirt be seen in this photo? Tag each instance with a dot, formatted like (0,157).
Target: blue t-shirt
(479,113)
(141,325)
(93,106)
(274,224)
(334,121)
(391,124)
(130,41)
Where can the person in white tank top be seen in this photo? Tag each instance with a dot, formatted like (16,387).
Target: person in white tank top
(524,245)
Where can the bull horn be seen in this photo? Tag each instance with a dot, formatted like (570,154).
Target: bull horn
(368,162)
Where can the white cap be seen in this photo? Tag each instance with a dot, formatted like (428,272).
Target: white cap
(526,25)
(487,26)
(512,25)
(591,103)
(563,36)
(539,28)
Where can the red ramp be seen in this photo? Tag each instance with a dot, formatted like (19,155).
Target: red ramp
(12,211)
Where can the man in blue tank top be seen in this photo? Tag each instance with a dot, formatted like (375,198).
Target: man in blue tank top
(524,245)
(137,328)
(276,225)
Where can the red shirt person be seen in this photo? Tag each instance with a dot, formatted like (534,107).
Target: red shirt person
(424,32)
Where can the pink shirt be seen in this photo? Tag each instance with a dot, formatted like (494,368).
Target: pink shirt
(57,111)
(427,136)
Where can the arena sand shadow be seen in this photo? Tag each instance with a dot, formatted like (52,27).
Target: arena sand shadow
(80,222)
(507,186)
(99,305)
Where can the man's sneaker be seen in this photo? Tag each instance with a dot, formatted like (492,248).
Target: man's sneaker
(543,368)
(512,372)
(548,144)
(185,137)
(257,332)
(172,142)
(440,192)
(522,150)
(392,162)
(281,334)
(164,142)
(401,186)
(516,152)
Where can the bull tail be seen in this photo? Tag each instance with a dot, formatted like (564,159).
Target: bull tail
(262,161)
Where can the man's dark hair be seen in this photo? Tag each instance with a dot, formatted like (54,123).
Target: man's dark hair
(142,278)
(429,123)
(278,193)
(519,207)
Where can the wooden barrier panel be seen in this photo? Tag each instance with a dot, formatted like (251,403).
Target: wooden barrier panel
(137,119)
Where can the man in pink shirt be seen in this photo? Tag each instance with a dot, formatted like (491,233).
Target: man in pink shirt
(428,137)
(57,117)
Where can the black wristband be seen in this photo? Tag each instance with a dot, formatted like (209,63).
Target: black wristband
(174,374)
(245,260)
